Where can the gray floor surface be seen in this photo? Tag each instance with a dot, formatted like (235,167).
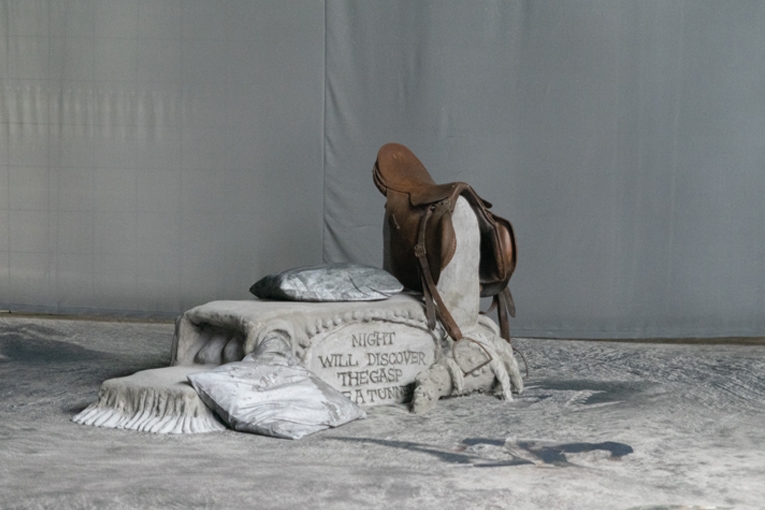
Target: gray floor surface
(600,425)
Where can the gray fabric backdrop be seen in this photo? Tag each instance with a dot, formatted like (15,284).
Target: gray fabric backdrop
(158,154)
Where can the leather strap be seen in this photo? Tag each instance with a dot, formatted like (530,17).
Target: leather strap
(504,323)
(492,307)
(507,305)
(429,289)
(509,301)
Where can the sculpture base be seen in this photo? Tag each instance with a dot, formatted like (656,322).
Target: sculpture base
(370,351)
(375,353)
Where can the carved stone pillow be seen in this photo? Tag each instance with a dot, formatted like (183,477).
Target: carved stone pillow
(274,396)
(334,282)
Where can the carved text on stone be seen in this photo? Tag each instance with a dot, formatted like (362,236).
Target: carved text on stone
(373,366)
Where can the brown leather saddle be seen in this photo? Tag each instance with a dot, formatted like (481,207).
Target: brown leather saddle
(422,240)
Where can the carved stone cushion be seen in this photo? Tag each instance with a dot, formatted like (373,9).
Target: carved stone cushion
(273,395)
(333,282)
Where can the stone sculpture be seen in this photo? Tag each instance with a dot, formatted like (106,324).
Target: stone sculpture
(374,352)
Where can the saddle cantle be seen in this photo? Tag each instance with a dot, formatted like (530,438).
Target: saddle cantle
(422,241)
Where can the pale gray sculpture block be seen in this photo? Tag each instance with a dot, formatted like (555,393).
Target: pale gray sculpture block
(459,285)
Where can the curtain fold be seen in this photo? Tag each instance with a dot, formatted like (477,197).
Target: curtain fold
(623,139)
(155,155)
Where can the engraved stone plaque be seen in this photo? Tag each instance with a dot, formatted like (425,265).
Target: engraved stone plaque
(372,363)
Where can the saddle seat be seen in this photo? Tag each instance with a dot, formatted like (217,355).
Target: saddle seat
(398,169)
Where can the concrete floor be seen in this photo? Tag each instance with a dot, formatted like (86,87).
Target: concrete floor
(600,425)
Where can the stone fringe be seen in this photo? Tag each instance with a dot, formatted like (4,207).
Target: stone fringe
(157,410)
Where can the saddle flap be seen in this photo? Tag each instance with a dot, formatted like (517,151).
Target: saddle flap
(498,249)
(402,224)
(498,255)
